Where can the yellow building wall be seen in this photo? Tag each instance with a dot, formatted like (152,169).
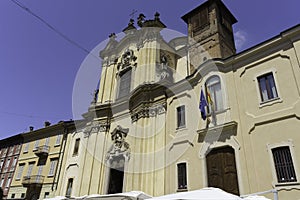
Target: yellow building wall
(29,156)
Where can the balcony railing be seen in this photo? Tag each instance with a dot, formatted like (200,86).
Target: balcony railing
(42,150)
(32,180)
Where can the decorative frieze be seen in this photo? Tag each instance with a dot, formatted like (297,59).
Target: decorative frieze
(95,127)
(148,111)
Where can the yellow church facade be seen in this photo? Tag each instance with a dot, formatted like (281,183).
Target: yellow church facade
(189,113)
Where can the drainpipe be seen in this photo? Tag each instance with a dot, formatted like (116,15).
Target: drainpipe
(275,192)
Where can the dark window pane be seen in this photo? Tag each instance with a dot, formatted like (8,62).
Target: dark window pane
(181,116)
(200,20)
(69,187)
(267,87)
(125,82)
(182,181)
(76,147)
(284,165)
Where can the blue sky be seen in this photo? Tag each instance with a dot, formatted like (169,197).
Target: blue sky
(38,67)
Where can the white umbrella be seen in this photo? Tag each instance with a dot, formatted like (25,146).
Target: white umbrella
(56,198)
(203,194)
(256,198)
(133,195)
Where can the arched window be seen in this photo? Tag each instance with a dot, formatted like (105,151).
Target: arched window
(214,92)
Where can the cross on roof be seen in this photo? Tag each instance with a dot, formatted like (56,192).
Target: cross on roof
(133,13)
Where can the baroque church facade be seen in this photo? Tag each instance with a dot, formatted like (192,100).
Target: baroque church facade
(182,114)
(147,133)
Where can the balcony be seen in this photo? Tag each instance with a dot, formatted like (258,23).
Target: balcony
(42,151)
(32,180)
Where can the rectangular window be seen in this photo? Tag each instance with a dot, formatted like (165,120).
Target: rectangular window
(20,171)
(30,167)
(11,150)
(23,195)
(200,20)
(69,187)
(125,82)
(1,164)
(76,147)
(53,164)
(13,196)
(4,152)
(7,165)
(58,138)
(284,165)
(14,164)
(26,147)
(8,182)
(36,145)
(47,141)
(46,195)
(18,148)
(181,116)
(267,87)
(1,182)
(214,94)
(181,175)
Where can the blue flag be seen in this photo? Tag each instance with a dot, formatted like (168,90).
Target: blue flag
(203,104)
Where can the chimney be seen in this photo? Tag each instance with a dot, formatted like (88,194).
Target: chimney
(47,123)
(31,128)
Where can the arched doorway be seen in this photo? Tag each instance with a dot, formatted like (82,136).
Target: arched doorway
(221,169)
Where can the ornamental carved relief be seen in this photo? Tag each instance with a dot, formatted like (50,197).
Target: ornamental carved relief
(163,70)
(128,60)
(119,147)
(148,111)
(95,127)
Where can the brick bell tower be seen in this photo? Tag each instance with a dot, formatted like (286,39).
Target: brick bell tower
(210,31)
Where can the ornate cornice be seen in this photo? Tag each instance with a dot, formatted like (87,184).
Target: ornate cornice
(145,111)
(219,132)
(95,127)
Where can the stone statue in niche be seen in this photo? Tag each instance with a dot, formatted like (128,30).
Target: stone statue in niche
(165,72)
(95,96)
(119,146)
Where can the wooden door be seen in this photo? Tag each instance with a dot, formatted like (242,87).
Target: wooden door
(221,170)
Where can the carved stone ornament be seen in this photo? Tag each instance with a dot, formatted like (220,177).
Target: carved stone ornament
(95,127)
(163,69)
(128,60)
(147,111)
(119,147)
